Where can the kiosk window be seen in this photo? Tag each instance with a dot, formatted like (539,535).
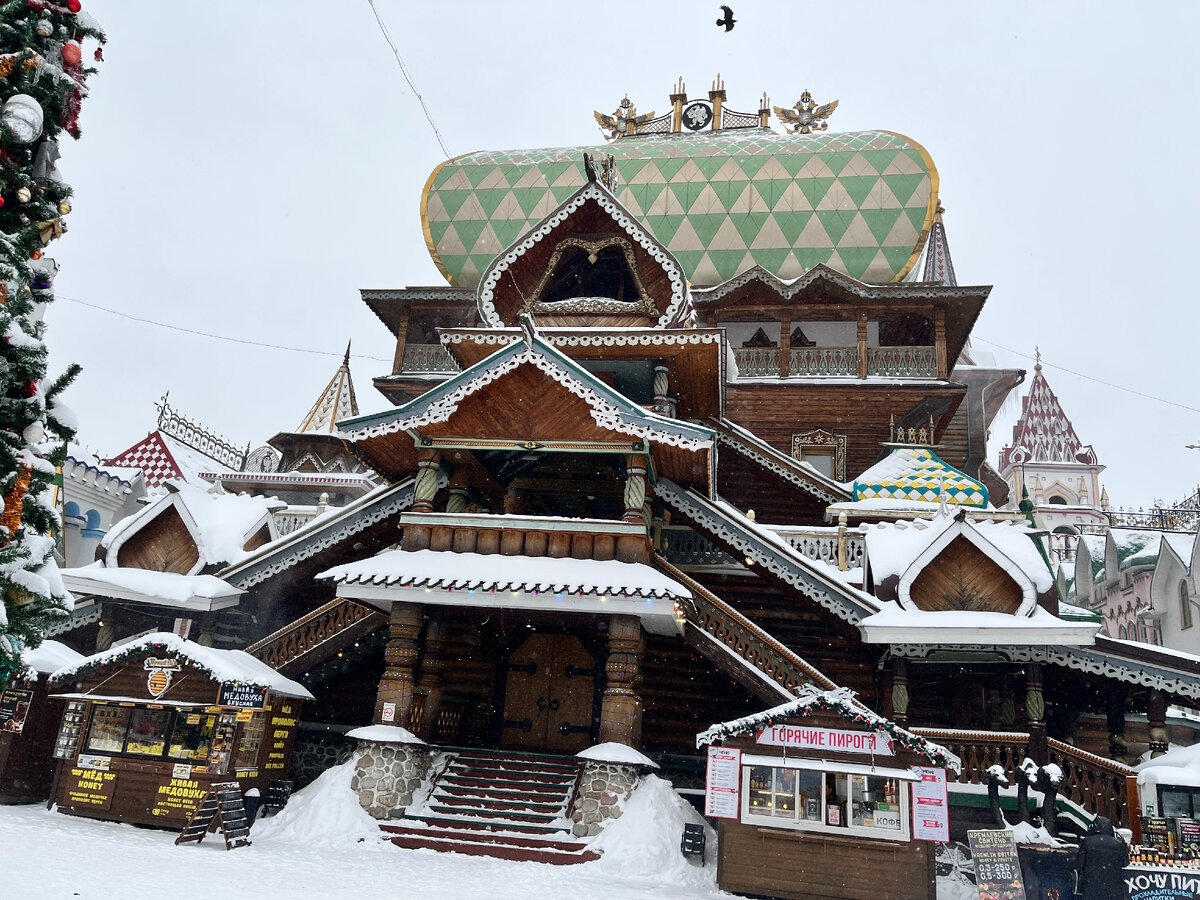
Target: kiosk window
(871,805)
(192,736)
(147,732)
(1176,802)
(107,731)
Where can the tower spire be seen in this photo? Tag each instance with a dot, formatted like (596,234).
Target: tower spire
(336,402)
(938,265)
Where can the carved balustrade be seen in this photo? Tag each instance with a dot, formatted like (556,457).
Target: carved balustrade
(824,361)
(979,751)
(756,362)
(428,358)
(686,548)
(902,362)
(1095,783)
(311,631)
(292,519)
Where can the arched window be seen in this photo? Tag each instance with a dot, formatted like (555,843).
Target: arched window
(1185,607)
(1122,633)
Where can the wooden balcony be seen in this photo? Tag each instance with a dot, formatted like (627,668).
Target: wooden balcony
(843,362)
(557,538)
(686,549)
(427,358)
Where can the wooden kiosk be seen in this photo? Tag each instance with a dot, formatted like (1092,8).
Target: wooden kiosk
(151,725)
(815,800)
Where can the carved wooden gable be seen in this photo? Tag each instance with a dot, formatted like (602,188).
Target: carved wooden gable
(165,544)
(963,577)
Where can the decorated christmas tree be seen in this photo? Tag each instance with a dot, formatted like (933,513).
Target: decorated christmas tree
(42,85)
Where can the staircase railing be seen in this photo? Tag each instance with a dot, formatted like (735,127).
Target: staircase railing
(979,751)
(741,638)
(1092,781)
(319,627)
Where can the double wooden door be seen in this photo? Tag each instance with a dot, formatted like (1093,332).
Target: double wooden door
(549,696)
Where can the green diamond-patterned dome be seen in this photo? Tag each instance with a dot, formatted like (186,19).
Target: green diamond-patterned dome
(860,202)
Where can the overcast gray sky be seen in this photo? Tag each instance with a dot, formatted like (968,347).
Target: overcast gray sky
(246,168)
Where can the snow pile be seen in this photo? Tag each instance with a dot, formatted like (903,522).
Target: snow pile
(1179,766)
(644,842)
(325,813)
(1024,833)
(613,752)
(384,734)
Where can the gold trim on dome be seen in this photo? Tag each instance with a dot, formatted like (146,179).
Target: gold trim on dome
(425,229)
(930,212)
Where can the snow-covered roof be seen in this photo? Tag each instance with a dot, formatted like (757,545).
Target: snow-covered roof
(49,656)
(219,665)
(384,734)
(892,547)
(196,593)
(841,701)
(220,523)
(514,582)
(917,473)
(614,752)
(1179,766)
(896,625)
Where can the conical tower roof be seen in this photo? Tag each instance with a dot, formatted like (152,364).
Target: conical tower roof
(336,402)
(1043,433)
(938,265)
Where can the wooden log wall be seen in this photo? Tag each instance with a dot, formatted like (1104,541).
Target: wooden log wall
(774,499)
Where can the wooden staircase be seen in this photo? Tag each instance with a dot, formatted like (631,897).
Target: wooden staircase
(508,805)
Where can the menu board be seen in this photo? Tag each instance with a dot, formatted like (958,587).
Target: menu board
(1162,884)
(997,869)
(14,707)
(89,787)
(1188,832)
(1156,832)
(68,732)
(931,805)
(723,785)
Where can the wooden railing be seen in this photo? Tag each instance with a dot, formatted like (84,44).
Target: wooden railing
(428,358)
(743,639)
(1095,783)
(824,361)
(756,362)
(979,751)
(903,362)
(321,626)
(293,518)
(684,547)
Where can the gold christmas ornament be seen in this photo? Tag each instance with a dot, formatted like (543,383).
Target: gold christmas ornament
(18,596)
(64,207)
(24,195)
(50,230)
(11,519)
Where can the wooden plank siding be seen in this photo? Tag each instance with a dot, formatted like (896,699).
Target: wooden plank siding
(163,545)
(798,865)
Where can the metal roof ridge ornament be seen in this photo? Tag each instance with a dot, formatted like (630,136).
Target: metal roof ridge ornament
(699,115)
(806,117)
(624,121)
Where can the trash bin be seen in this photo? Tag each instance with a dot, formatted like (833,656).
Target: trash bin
(251,800)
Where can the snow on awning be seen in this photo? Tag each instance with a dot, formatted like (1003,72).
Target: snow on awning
(514,582)
(193,593)
(958,627)
(219,665)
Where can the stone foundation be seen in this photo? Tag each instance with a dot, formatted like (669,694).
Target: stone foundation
(312,757)
(387,774)
(603,789)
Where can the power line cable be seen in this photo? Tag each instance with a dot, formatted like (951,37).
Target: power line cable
(1119,387)
(208,334)
(404,71)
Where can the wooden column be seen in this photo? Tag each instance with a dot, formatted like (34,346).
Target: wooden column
(403,649)
(663,405)
(1035,713)
(459,494)
(401,340)
(862,343)
(621,707)
(900,692)
(1156,714)
(1115,713)
(635,489)
(425,488)
(433,668)
(939,343)
(785,345)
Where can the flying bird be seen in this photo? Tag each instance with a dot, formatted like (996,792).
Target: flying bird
(727,20)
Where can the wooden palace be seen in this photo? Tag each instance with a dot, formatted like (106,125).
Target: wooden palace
(691,427)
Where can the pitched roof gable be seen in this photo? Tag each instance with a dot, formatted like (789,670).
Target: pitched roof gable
(1043,433)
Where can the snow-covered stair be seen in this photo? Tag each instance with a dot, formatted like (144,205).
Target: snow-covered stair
(497,803)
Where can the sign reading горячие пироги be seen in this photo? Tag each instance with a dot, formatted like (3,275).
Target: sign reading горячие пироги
(807,738)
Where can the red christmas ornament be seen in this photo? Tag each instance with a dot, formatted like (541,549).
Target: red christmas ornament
(98,55)
(1,201)
(72,53)
(31,389)
(74,5)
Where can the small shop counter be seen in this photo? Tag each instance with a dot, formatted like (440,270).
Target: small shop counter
(149,727)
(1163,882)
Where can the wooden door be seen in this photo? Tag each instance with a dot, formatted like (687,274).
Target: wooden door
(549,697)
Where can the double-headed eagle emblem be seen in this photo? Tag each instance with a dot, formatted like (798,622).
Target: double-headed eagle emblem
(624,120)
(806,117)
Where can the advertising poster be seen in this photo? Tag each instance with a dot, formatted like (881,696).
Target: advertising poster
(14,707)
(723,786)
(997,869)
(930,805)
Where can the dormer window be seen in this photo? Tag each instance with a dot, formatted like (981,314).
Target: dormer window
(591,276)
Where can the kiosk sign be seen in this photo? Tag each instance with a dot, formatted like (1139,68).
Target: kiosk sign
(808,738)
(722,788)
(242,696)
(997,869)
(930,806)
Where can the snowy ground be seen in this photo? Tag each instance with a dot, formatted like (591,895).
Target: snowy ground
(323,846)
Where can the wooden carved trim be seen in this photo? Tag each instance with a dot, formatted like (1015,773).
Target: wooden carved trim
(644,304)
(818,438)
